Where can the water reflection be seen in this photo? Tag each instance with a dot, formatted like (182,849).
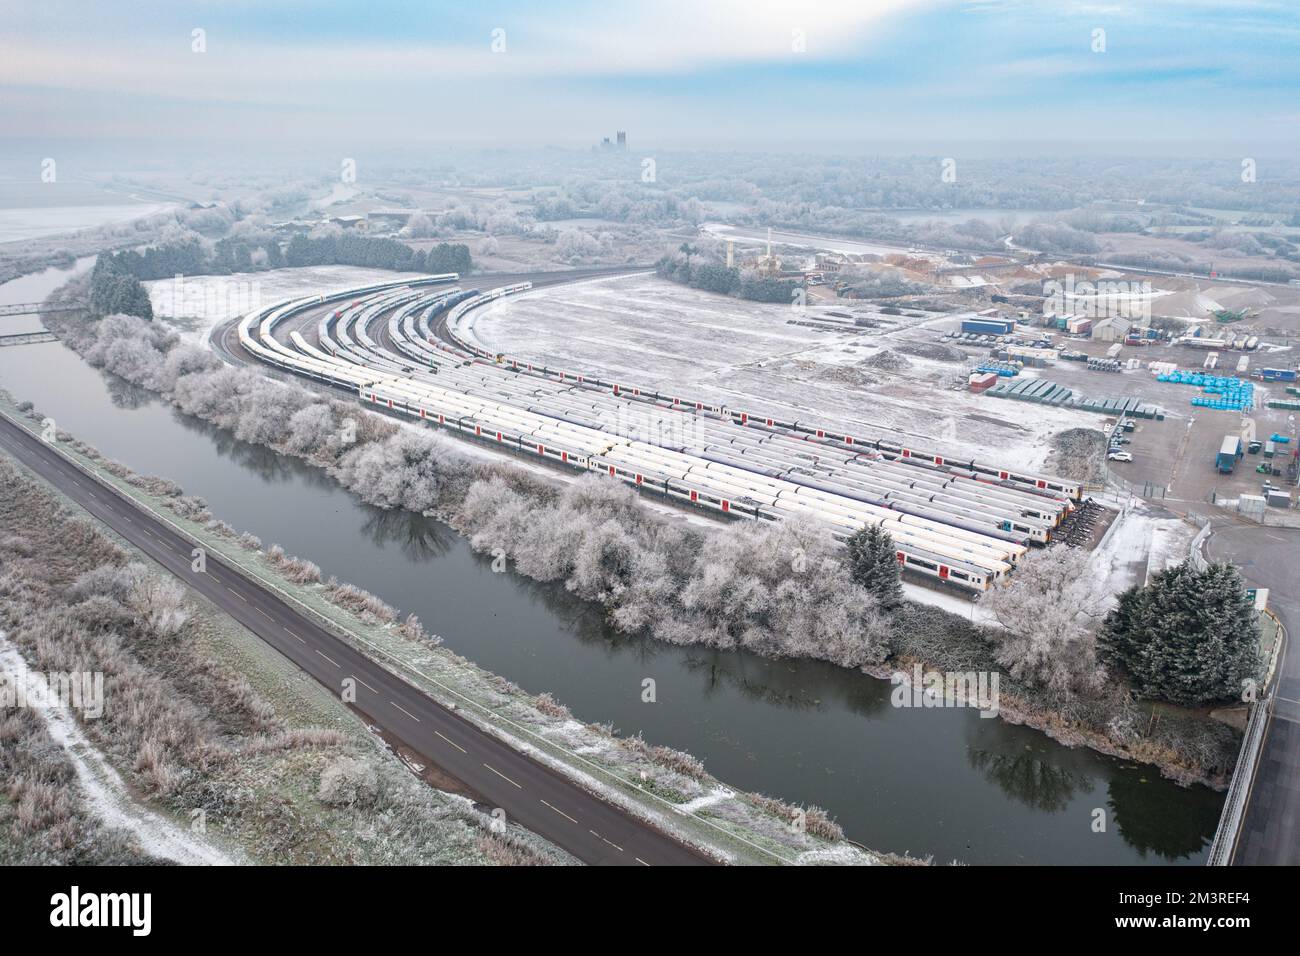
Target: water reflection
(268,465)
(418,537)
(1139,808)
(128,395)
(1028,778)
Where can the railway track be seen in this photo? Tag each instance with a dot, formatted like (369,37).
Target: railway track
(404,347)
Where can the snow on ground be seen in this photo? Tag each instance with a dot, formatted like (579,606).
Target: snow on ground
(1171,543)
(195,305)
(744,235)
(106,794)
(713,797)
(949,601)
(23,224)
(1143,540)
(748,356)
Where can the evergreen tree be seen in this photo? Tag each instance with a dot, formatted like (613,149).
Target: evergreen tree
(1189,637)
(113,291)
(873,564)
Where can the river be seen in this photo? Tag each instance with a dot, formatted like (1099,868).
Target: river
(943,783)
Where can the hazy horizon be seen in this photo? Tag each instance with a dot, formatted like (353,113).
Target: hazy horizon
(1004,77)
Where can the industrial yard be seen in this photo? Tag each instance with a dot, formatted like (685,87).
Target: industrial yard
(909,377)
(748,354)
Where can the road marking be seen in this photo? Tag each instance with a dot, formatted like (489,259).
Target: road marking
(293,635)
(238,595)
(365,685)
(506,779)
(614,845)
(265,615)
(565,815)
(405,711)
(335,663)
(641,861)
(453,743)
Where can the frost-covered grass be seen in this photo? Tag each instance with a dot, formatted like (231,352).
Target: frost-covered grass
(106,795)
(656,783)
(200,718)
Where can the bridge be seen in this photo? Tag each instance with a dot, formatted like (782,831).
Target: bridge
(35,308)
(28,338)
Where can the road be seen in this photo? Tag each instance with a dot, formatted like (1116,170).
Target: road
(531,794)
(1270,830)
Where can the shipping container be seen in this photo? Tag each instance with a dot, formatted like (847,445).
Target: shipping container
(988,326)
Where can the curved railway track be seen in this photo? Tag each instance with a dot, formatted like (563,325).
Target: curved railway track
(408,347)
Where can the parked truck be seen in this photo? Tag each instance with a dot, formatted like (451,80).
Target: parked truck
(1229,452)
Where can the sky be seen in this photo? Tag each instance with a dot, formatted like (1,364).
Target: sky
(1211,76)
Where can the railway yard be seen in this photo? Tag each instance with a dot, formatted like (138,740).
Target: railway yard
(739,410)
(407,348)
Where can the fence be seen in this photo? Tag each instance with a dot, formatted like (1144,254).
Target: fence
(1144,489)
(1234,807)
(1197,553)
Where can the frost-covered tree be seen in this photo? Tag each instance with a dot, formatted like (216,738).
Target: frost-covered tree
(781,590)
(405,470)
(873,564)
(266,410)
(419,226)
(1188,637)
(311,429)
(1046,609)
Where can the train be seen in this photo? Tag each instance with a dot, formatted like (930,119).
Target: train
(963,522)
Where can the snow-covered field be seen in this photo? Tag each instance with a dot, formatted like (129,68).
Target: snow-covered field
(825,243)
(107,796)
(40,221)
(194,305)
(1143,541)
(748,356)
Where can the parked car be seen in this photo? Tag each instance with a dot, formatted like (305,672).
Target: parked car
(1120,456)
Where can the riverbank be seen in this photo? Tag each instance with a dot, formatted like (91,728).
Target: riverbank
(203,747)
(666,787)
